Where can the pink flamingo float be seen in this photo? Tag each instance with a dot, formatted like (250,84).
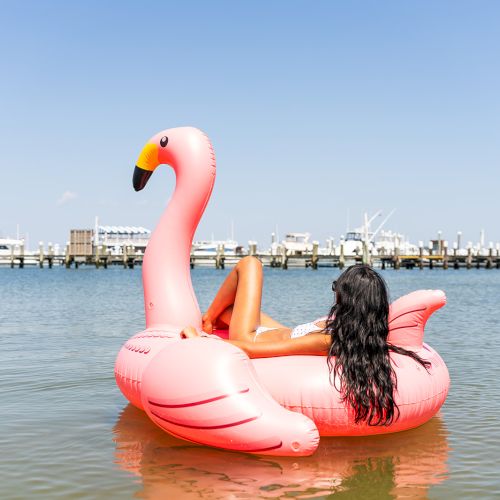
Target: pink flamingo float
(208,391)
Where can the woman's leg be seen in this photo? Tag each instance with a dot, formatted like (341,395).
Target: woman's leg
(224,319)
(242,289)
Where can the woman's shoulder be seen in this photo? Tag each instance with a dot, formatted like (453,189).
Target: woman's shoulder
(321,322)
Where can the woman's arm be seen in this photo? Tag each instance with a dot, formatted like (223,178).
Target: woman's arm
(316,344)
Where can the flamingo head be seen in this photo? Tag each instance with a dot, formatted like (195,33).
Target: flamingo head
(183,148)
(154,153)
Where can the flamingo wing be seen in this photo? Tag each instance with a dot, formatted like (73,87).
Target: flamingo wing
(206,391)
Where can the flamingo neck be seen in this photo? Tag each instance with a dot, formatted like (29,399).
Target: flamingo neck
(169,298)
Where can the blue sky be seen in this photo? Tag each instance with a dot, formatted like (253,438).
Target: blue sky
(315,109)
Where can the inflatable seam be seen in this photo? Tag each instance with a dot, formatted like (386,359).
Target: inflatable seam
(207,427)
(128,378)
(201,402)
(273,447)
(343,407)
(406,312)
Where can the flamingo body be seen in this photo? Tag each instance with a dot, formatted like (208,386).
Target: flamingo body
(208,391)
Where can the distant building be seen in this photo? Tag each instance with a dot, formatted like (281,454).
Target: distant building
(114,238)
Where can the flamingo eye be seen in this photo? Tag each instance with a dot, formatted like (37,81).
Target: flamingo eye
(163,141)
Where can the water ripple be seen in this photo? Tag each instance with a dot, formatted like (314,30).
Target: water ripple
(67,431)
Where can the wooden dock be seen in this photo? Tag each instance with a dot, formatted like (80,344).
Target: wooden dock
(101,256)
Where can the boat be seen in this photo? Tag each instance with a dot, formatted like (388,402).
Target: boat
(378,242)
(297,244)
(209,249)
(8,245)
(387,241)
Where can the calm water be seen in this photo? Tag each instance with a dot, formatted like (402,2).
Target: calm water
(67,432)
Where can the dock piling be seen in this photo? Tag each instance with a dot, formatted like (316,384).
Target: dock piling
(125,256)
(489,260)
(97,257)
(284,258)
(104,256)
(365,257)
(342,255)
(314,258)
(445,255)
(21,256)
(219,257)
(455,256)
(50,255)
(396,259)
(40,254)
(468,260)
(131,260)
(67,256)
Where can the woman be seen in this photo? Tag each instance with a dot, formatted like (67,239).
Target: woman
(353,335)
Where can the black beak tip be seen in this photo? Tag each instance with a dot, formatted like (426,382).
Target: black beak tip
(140,178)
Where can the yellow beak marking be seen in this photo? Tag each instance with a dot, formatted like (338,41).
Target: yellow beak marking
(148,159)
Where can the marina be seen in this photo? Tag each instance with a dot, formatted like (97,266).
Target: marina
(124,246)
(219,255)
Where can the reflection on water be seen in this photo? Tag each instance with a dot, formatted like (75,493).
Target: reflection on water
(404,464)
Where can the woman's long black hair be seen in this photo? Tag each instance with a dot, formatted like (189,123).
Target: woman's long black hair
(359,352)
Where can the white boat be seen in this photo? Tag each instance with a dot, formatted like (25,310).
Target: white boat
(379,242)
(387,241)
(297,244)
(353,243)
(233,251)
(9,244)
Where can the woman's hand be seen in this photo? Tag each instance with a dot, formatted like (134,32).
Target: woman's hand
(207,323)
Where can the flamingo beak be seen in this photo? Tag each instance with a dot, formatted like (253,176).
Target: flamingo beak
(141,177)
(146,163)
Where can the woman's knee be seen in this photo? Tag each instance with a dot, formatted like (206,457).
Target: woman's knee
(250,262)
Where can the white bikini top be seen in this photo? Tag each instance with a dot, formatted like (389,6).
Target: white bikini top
(307,328)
